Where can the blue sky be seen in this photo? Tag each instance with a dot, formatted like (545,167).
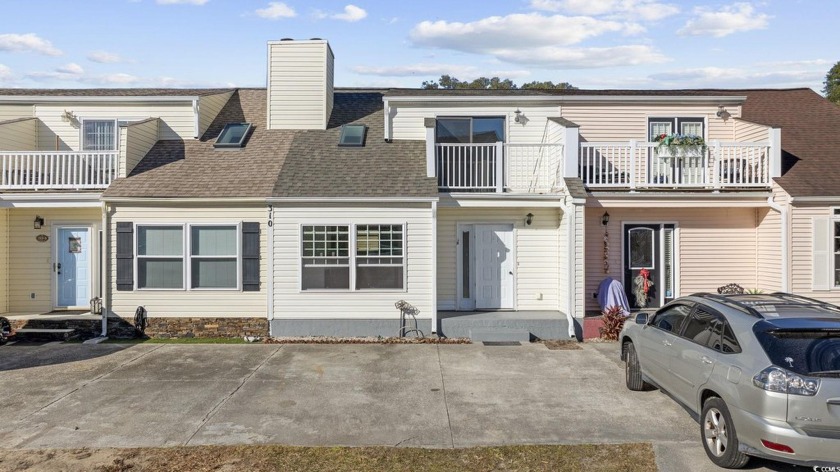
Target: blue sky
(590,43)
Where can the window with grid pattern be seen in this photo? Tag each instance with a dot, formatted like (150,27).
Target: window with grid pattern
(99,135)
(379,257)
(325,254)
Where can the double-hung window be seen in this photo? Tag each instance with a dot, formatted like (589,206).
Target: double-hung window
(377,261)
(160,257)
(210,260)
(99,135)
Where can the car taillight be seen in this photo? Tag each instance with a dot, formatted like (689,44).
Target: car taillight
(776,379)
(777,447)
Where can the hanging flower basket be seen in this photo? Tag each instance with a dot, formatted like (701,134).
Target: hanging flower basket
(679,145)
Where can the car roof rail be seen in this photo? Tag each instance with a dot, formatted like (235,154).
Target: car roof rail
(792,297)
(723,300)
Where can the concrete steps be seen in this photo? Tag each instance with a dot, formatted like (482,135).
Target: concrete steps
(44,334)
(504,326)
(499,335)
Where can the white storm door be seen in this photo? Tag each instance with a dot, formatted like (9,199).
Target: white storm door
(73,267)
(494,266)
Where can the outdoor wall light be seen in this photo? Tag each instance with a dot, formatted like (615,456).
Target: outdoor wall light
(39,222)
(518,114)
(68,116)
(605,219)
(722,113)
(529,218)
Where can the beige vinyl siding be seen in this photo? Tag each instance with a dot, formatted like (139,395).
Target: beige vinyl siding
(4,260)
(564,262)
(715,246)
(769,244)
(19,135)
(571,265)
(189,303)
(177,121)
(537,253)
(209,107)
(580,261)
(291,302)
(751,132)
(408,121)
(11,112)
(135,141)
(802,247)
(617,122)
(298,84)
(30,261)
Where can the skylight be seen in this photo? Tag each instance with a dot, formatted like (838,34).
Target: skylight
(233,135)
(352,135)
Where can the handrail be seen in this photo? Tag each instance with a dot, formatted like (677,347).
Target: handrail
(35,170)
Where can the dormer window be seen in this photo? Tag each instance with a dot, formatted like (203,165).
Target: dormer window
(352,135)
(233,135)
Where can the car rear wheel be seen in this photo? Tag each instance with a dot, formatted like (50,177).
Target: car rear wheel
(633,371)
(718,435)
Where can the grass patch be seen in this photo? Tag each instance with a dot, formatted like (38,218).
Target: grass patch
(178,341)
(565,458)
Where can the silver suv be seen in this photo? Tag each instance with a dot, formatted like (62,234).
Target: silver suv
(760,372)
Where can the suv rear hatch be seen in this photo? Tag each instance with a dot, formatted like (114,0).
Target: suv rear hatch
(809,350)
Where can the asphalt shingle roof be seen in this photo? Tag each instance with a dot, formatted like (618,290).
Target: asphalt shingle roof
(112,92)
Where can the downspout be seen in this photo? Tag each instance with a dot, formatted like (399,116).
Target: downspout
(103,263)
(434,268)
(783,215)
(196,118)
(569,210)
(270,262)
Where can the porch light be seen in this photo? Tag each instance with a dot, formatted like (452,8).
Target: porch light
(39,222)
(529,218)
(518,114)
(68,116)
(605,219)
(722,113)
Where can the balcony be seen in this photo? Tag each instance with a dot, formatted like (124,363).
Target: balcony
(75,170)
(498,167)
(636,165)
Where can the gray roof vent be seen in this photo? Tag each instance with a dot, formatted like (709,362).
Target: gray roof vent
(315,39)
(287,39)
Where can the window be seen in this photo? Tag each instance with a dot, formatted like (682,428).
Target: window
(729,344)
(470,130)
(641,247)
(99,135)
(836,239)
(160,257)
(379,257)
(704,328)
(326,257)
(672,318)
(214,257)
(233,135)
(352,135)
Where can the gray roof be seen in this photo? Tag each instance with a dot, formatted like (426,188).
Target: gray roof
(114,92)
(284,163)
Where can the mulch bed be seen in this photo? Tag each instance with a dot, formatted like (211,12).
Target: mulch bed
(557,345)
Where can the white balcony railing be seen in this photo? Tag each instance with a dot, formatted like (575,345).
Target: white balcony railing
(498,167)
(638,165)
(35,170)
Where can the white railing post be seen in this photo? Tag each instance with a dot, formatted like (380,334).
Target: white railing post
(500,167)
(775,153)
(571,150)
(716,166)
(633,156)
(430,147)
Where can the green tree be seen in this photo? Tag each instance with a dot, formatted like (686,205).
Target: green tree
(447,82)
(832,84)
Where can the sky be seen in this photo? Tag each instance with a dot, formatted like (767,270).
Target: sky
(644,44)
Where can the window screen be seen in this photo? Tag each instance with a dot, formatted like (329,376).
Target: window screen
(160,257)
(325,254)
(213,257)
(99,135)
(379,257)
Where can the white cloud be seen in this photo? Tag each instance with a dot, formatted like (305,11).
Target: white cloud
(115,79)
(71,68)
(512,31)
(276,10)
(104,57)
(181,2)
(30,42)
(351,13)
(749,76)
(5,72)
(582,58)
(728,20)
(642,10)
(432,70)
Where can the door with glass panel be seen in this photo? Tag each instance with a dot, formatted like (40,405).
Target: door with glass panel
(685,168)
(649,265)
(465,148)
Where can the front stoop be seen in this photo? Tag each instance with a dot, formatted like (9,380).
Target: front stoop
(504,325)
(44,334)
(499,335)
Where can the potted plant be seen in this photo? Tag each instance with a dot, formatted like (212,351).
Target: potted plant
(679,145)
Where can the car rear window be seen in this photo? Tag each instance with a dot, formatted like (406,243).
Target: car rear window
(806,352)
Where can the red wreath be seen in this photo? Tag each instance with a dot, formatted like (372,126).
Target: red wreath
(646,276)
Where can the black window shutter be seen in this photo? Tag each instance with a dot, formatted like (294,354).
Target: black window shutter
(125,256)
(251,257)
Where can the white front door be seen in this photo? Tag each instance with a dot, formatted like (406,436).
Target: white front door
(494,266)
(72,267)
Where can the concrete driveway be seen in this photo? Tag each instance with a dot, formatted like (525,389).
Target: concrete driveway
(72,395)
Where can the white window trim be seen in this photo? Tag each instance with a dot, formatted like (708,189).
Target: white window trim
(834,217)
(238,256)
(137,257)
(352,241)
(116,121)
(187,256)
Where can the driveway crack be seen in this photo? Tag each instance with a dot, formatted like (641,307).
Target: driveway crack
(227,397)
(445,402)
